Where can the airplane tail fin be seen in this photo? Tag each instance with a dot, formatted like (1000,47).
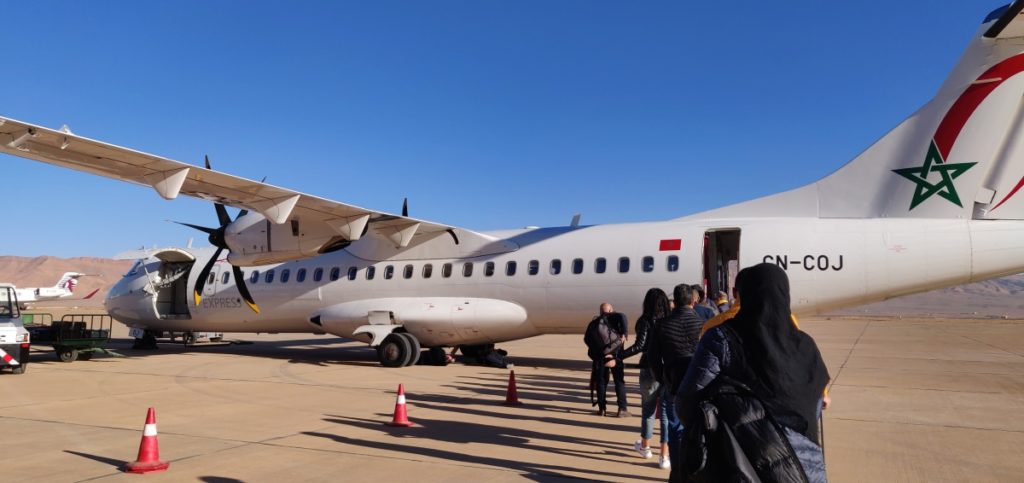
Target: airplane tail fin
(959,156)
(68,281)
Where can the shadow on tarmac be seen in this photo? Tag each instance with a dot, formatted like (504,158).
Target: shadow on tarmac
(102,459)
(319,351)
(467,433)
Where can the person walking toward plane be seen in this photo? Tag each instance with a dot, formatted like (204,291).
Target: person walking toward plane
(675,338)
(703,307)
(605,337)
(760,352)
(656,307)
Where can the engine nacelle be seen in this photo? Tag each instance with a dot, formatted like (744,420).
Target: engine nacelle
(435,321)
(254,240)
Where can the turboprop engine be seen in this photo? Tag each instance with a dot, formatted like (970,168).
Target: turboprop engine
(253,240)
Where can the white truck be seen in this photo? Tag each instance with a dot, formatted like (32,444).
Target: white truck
(14,339)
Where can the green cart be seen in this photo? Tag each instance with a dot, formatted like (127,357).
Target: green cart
(74,336)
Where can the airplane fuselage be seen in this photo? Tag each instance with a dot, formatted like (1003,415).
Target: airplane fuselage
(831,263)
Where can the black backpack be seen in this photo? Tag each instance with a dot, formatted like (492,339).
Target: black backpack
(733,436)
(600,335)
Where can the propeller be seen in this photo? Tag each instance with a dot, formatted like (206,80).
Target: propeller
(216,237)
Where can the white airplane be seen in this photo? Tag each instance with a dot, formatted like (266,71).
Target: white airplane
(934,203)
(64,288)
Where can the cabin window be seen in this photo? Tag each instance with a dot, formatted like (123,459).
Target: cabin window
(300,276)
(254,277)
(407,271)
(318,274)
(488,269)
(446,270)
(389,271)
(224,278)
(647,264)
(533,268)
(211,278)
(335,273)
(623,264)
(352,272)
(577,266)
(428,270)
(556,267)
(672,263)
(510,268)
(370,271)
(285,275)
(269,277)
(600,265)
(467,269)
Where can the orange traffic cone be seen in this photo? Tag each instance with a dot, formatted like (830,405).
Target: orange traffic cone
(400,418)
(149,450)
(512,395)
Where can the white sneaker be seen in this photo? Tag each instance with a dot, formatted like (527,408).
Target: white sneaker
(645,453)
(664,463)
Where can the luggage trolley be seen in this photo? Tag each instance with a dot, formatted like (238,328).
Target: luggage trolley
(74,336)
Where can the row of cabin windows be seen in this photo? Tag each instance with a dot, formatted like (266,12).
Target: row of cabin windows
(532,268)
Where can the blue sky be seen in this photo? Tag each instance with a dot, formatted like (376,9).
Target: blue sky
(485,114)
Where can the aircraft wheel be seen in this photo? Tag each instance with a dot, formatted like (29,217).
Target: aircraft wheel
(415,348)
(66,354)
(395,351)
(190,338)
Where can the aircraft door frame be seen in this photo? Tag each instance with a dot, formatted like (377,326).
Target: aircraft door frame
(720,259)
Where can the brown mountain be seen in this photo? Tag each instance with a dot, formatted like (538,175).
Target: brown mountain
(45,271)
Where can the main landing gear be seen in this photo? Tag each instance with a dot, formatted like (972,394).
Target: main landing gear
(485,355)
(400,349)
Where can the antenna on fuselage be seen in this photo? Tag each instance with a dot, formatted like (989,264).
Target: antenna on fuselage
(576,220)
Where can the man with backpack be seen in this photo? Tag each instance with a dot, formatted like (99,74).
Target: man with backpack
(605,337)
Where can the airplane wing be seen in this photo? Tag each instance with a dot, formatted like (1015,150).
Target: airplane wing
(171,178)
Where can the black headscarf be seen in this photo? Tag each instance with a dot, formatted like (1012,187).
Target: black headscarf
(789,373)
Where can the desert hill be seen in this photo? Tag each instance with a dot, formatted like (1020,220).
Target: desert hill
(45,271)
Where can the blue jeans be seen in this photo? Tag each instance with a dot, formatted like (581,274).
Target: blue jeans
(650,395)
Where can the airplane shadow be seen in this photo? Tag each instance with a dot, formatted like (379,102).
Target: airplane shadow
(462,432)
(319,351)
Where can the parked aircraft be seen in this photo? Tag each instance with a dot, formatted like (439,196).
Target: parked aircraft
(64,288)
(935,202)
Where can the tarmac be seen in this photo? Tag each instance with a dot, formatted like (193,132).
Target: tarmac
(913,400)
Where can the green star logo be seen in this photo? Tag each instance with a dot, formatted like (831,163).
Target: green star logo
(944,187)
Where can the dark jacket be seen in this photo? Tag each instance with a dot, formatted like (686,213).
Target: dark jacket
(715,357)
(675,339)
(644,327)
(705,311)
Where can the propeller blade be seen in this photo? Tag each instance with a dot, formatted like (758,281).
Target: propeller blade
(203,275)
(208,231)
(243,290)
(241,214)
(405,207)
(222,214)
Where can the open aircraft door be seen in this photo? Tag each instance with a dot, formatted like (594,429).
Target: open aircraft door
(721,260)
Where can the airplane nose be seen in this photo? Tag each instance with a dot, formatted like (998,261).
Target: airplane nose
(126,300)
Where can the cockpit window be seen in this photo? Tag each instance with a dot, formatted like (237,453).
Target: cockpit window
(135,268)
